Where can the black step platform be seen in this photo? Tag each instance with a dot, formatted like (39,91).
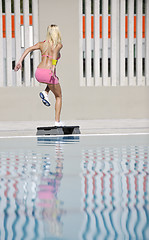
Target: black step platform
(66,130)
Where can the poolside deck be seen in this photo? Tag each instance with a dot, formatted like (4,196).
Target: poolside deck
(97,126)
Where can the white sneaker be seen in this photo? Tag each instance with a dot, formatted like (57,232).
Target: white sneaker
(44,96)
(59,124)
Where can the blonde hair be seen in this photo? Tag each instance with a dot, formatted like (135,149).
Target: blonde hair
(53,37)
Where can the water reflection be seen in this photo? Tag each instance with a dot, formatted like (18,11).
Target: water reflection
(50,205)
(43,181)
(115,184)
(29,204)
(61,139)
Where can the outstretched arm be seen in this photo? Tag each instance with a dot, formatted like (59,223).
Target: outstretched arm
(30,49)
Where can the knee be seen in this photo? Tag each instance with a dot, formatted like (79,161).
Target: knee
(58,99)
(59,96)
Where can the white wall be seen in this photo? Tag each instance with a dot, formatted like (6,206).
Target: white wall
(86,102)
(23,103)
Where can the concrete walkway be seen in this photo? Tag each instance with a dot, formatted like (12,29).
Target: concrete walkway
(102,126)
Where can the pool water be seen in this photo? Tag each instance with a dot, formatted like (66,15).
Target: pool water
(74,187)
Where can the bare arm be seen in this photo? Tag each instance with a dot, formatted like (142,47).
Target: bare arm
(30,49)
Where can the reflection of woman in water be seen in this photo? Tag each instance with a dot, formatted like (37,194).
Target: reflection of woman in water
(48,200)
(46,70)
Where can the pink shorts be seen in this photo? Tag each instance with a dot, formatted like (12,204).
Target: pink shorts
(44,75)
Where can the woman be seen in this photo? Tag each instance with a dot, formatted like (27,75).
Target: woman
(46,70)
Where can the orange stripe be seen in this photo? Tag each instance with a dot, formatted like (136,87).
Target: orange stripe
(100,25)
(92,26)
(126,27)
(21,20)
(4,26)
(109,26)
(134,26)
(30,19)
(83,23)
(143,23)
(13,24)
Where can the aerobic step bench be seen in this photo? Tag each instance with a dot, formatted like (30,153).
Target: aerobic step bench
(66,130)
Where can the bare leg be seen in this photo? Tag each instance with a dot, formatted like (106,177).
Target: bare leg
(56,89)
(47,89)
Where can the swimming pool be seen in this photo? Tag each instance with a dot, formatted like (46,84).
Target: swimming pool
(74,187)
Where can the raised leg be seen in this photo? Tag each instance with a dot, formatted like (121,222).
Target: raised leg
(47,89)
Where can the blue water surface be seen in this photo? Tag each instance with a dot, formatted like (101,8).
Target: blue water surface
(74,187)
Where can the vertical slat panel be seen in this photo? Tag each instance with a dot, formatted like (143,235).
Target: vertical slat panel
(114,43)
(147,43)
(1,48)
(131,78)
(35,36)
(96,43)
(105,42)
(17,39)
(139,44)
(27,76)
(88,41)
(82,82)
(8,43)
(122,43)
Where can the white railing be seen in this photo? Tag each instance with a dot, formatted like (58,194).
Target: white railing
(12,48)
(116,60)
